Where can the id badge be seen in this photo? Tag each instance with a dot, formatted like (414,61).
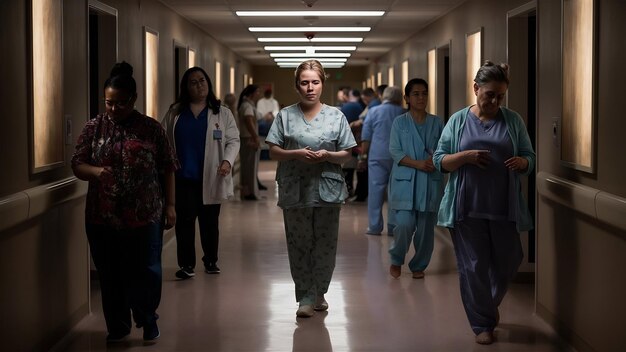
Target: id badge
(217,134)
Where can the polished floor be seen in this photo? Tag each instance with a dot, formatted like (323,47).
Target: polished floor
(250,306)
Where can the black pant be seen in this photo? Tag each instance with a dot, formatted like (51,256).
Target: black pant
(129,269)
(361,185)
(189,207)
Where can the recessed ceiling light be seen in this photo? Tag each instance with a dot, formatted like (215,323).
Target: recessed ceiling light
(311,48)
(314,40)
(311,13)
(300,59)
(310,55)
(309,29)
(325,65)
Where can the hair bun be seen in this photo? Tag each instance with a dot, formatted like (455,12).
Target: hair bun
(121,69)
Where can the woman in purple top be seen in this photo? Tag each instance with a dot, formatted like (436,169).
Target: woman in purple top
(485,148)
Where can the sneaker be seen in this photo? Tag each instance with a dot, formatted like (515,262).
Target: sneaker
(485,338)
(185,273)
(151,332)
(418,274)
(305,311)
(395,271)
(212,269)
(320,303)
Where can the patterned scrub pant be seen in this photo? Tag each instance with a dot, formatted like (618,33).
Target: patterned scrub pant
(312,246)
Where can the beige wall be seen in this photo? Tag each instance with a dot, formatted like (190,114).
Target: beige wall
(581,287)
(44,263)
(579,284)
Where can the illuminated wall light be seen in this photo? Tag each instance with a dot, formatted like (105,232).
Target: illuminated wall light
(379,77)
(232,80)
(405,73)
(309,29)
(369,83)
(390,78)
(310,13)
(250,80)
(373,80)
(310,55)
(432,81)
(245,80)
(313,40)
(473,55)
(218,79)
(192,58)
(47,84)
(152,72)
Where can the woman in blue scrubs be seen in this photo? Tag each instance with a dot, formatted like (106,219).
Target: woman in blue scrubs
(415,186)
(486,149)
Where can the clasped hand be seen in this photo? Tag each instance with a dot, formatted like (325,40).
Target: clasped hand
(481,158)
(313,157)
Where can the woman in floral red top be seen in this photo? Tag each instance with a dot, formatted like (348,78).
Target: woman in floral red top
(130,166)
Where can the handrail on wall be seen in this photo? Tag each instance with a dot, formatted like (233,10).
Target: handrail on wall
(35,201)
(600,205)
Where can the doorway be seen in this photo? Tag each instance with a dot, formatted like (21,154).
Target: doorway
(522,97)
(180,66)
(443,81)
(102,51)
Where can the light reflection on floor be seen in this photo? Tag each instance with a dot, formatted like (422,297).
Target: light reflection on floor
(250,306)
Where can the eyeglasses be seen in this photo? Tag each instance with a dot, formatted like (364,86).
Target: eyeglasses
(118,104)
(199,82)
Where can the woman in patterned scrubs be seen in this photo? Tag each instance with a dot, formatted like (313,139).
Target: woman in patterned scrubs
(311,140)
(130,167)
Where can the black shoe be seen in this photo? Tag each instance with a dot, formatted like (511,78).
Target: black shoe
(212,269)
(250,197)
(151,332)
(185,273)
(262,187)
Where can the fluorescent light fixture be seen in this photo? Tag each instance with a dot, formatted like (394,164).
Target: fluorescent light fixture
(309,48)
(313,40)
(300,59)
(309,13)
(310,55)
(325,65)
(309,29)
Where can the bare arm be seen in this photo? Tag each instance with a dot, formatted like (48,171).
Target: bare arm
(88,172)
(170,200)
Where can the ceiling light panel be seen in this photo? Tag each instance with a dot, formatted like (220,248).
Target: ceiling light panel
(310,55)
(309,29)
(310,13)
(313,40)
(300,59)
(308,48)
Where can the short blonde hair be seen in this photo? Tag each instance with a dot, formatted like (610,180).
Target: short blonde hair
(310,65)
